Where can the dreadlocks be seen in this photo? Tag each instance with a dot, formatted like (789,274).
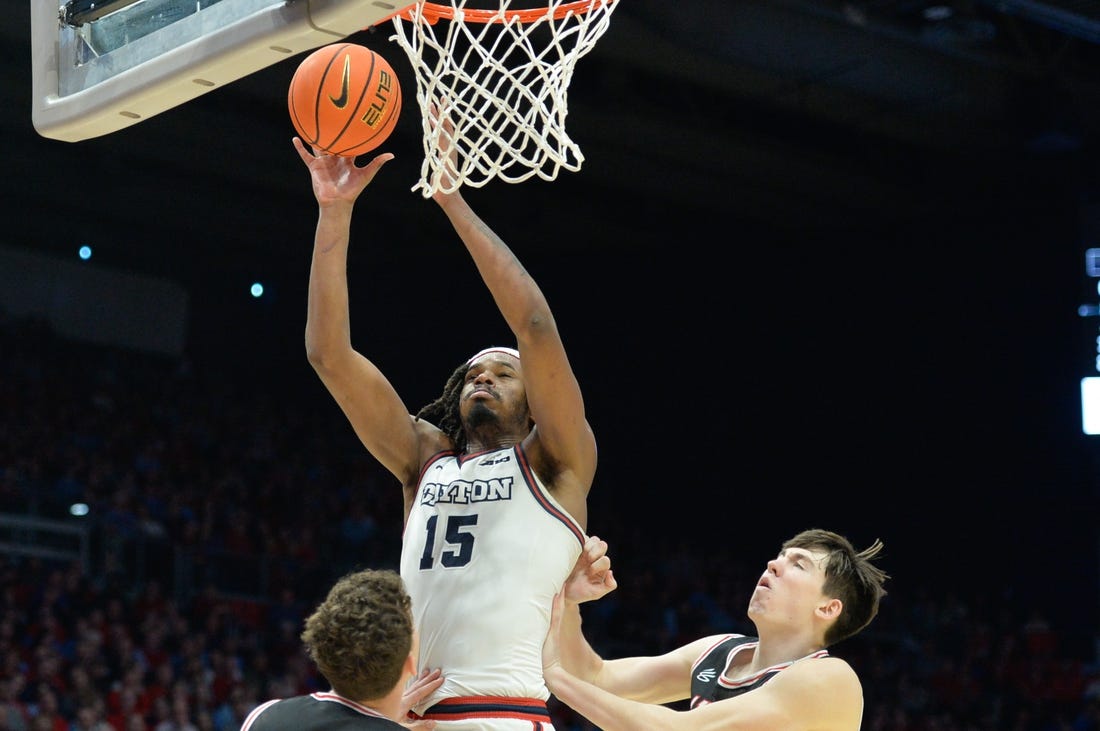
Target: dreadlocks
(443,412)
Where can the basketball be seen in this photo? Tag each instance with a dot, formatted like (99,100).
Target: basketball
(344,99)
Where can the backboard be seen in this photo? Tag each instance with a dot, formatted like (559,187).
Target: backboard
(99,66)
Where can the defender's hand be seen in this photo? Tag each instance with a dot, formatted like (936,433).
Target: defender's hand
(591,577)
(423,685)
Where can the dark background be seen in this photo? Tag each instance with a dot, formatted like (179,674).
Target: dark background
(821,267)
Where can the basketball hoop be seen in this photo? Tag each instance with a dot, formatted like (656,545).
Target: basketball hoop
(501,76)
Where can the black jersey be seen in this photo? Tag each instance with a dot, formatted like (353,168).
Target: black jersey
(317,712)
(708,680)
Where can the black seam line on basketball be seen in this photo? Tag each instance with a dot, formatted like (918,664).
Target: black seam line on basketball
(345,84)
(451,709)
(355,114)
(386,129)
(295,118)
(338,48)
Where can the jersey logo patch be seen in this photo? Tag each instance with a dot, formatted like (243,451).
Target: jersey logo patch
(707,675)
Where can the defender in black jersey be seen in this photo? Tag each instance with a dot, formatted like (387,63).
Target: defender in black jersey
(818,591)
(363,641)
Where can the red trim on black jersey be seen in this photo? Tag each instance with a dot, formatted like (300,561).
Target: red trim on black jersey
(337,698)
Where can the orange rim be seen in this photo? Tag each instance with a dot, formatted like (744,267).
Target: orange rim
(433,12)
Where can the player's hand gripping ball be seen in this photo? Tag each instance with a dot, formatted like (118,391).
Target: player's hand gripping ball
(344,99)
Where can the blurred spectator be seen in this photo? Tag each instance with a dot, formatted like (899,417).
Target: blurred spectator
(91,718)
(14,714)
(179,717)
(46,712)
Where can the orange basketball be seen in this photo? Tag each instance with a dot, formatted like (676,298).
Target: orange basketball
(344,99)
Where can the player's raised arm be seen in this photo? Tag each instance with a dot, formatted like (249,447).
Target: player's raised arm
(562,432)
(376,412)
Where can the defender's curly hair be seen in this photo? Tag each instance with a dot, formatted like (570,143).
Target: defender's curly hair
(849,576)
(444,413)
(361,634)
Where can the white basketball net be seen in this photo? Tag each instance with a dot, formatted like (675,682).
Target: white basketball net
(502,84)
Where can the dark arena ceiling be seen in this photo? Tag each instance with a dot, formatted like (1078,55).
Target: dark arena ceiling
(847,113)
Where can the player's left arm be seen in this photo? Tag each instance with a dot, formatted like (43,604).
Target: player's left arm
(817,695)
(562,434)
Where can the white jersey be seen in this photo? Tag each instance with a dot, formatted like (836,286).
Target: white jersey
(484,551)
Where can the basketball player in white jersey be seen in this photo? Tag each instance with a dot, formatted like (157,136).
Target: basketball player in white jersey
(818,591)
(495,473)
